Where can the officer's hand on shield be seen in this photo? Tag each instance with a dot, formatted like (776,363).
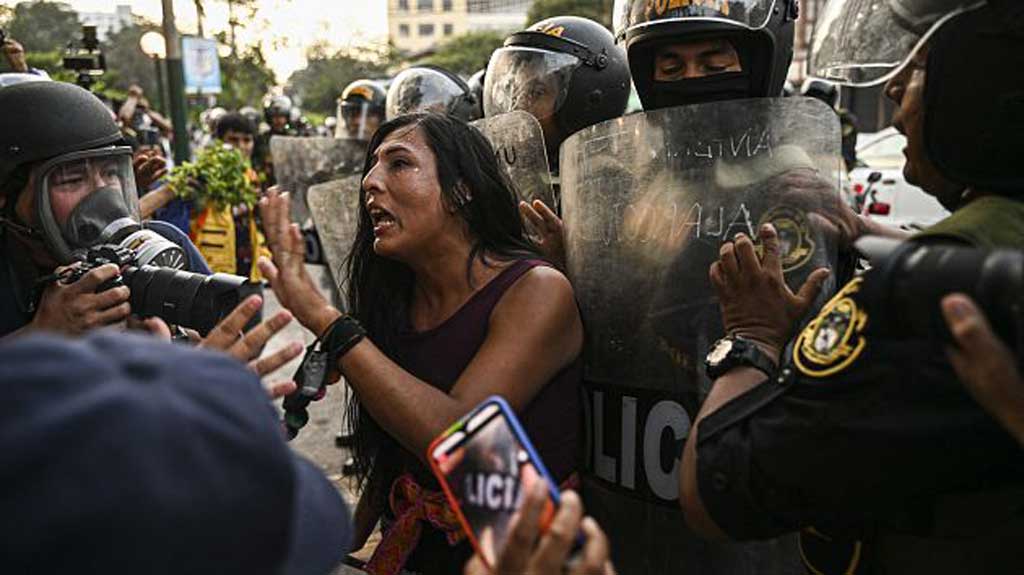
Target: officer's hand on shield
(529,551)
(230,337)
(985,365)
(287,274)
(755,301)
(75,308)
(548,227)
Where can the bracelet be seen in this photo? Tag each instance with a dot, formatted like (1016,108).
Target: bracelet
(341,336)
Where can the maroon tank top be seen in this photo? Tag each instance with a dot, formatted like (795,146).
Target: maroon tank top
(439,356)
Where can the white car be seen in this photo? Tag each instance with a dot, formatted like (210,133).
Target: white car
(879,190)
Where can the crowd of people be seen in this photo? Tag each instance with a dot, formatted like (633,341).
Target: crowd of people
(818,422)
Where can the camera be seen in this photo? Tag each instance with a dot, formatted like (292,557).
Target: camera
(176,296)
(908,280)
(86,59)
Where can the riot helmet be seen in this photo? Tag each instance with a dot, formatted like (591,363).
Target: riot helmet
(277,107)
(70,153)
(426,88)
(210,116)
(973,89)
(566,71)
(361,109)
(251,114)
(760,31)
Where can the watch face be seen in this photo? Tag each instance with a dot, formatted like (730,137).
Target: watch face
(720,351)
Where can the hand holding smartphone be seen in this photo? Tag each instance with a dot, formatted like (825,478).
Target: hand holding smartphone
(485,464)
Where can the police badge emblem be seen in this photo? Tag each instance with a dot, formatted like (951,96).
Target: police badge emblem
(796,246)
(832,341)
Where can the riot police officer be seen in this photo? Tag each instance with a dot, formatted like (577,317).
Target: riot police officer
(566,71)
(427,88)
(361,109)
(476,86)
(828,92)
(861,429)
(277,112)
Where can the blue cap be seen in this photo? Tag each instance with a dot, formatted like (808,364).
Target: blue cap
(130,455)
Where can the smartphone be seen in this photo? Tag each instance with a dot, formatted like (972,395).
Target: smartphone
(485,462)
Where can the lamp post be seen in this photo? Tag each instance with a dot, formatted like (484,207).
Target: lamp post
(153,45)
(175,84)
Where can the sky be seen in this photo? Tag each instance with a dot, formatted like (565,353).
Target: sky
(290,26)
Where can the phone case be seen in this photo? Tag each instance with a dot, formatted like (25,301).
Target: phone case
(524,442)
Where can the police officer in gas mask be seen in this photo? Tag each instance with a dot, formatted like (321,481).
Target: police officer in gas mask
(360,109)
(858,432)
(66,184)
(427,88)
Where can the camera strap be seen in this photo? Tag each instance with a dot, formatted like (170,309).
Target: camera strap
(318,368)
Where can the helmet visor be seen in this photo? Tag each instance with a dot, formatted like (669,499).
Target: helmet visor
(85,198)
(422,90)
(631,14)
(866,42)
(527,79)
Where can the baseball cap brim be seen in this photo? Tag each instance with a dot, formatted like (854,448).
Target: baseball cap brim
(321,528)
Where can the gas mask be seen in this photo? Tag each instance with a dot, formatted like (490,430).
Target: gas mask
(85,199)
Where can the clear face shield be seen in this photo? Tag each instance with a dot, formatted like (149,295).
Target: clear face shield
(422,90)
(355,117)
(84,199)
(862,43)
(631,15)
(528,79)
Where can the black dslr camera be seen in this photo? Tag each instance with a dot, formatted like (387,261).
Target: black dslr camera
(86,59)
(179,297)
(908,280)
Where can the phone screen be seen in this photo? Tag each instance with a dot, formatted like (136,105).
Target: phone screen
(486,469)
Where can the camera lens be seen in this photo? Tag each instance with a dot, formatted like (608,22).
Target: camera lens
(184,298)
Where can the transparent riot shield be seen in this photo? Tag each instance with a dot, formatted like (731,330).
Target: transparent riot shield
(518,143)
(334,207)
(647,201)
(302,162)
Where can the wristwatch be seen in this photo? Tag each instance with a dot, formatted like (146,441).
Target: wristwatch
(734,351)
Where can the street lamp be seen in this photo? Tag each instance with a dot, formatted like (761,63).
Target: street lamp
(153,45)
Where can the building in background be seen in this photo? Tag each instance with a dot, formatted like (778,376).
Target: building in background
(419,25)
(107,23)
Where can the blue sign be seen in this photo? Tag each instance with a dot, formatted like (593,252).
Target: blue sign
(202,65)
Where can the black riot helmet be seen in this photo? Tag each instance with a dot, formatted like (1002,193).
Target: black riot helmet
(566,71)
(761,31)
(974,90)
(276,106)
(819,89)
(361,109)
(63,140)
(427,88)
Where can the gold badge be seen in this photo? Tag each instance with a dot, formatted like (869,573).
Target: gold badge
(795,243)
(832,341)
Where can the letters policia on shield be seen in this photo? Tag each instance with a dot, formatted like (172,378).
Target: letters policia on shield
(518,143)
(303,162)
(647,201)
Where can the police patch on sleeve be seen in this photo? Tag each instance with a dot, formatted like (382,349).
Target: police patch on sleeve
(833,340)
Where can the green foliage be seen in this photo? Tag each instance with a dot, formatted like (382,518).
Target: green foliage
(246,78)
(44,26)
(466,53)
(597,10)
(319,84)
(219,177)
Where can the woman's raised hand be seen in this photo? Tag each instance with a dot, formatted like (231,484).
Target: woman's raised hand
(286,273)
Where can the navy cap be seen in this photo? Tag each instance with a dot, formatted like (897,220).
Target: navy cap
(129,455)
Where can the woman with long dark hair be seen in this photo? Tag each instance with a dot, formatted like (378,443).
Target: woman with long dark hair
(456,305)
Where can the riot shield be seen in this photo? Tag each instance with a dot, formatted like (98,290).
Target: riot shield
(518,143)
(334,207)
(301,162)
(647,201)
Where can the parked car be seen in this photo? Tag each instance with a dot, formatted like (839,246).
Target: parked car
(877,187)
